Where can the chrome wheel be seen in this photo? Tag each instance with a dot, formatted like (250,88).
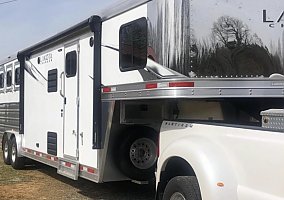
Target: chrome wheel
(6,150)
(13,153)
(177,196)
(17,161)
(143,153)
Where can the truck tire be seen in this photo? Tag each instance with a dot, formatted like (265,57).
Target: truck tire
(137,153)
(182,188)
(6,150)
(16,161)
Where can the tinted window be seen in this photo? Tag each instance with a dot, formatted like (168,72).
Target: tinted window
(71,64)
(9,78)
(2,80)
(17,76)
(133,45)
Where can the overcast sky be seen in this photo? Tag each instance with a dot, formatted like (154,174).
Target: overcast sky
(26,22)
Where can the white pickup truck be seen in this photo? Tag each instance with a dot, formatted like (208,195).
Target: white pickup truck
(227,162)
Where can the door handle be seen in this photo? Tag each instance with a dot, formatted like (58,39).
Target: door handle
(62,85)
(81,134)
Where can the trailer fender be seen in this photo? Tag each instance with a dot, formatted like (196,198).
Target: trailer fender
(10,135)
(214,172)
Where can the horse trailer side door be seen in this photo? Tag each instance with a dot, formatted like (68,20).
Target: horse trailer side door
(71,104)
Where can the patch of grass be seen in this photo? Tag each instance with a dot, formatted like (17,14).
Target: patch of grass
(7,174)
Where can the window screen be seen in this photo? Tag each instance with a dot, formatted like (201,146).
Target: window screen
(133,45)
(9,78)
(17,76)
(52,143)
(71,64)
(52,81)
(2,80)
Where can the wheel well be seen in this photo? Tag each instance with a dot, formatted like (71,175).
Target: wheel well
(12,136)
(175,166)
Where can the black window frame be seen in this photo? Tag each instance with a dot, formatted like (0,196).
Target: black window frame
(71,59)
(128,39)
(2,80)
(17,76)
(9,78)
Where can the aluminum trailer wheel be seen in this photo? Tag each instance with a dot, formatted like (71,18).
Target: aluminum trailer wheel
(6,150)
(16,161)
(143,153)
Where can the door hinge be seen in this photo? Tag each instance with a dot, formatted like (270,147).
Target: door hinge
(81,134)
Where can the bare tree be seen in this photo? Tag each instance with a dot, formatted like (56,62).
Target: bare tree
(229,30)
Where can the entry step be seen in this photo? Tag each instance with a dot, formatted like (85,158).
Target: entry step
(68,168)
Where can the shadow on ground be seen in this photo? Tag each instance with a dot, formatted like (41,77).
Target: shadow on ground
(39,181)
(107,191)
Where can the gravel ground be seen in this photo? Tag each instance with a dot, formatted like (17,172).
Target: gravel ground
(38,181)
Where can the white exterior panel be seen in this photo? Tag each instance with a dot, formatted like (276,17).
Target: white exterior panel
(111,74)
(42,109)
(87,155)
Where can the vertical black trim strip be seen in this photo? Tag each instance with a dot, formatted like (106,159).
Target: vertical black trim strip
(21,59)
(95,24)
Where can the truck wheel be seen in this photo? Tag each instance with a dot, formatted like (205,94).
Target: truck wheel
(182,188)
(137,154)
(6,150)
(16,161)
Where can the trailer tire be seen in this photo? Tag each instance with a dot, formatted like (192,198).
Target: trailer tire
(182,187)
(6,150)
(137,155)
(16,161)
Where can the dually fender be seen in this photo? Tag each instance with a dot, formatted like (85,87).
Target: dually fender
(213,170)
(10,135)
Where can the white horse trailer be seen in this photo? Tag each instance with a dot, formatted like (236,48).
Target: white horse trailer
(180,89)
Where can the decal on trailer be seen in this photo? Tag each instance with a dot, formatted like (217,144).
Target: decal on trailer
(47,58)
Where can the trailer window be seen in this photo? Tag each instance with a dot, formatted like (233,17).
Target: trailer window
(133,45)
(71,64)
(52,81)
(2,80)
(9,78)
(17,76)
